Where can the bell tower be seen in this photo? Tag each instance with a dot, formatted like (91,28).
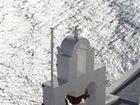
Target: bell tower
(75,58)
(77,72)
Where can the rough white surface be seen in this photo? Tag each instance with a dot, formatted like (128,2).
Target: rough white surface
(112,26)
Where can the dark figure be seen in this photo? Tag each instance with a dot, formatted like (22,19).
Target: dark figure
(76,100)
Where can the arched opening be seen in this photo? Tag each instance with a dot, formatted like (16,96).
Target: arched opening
(81,60)
(91,88)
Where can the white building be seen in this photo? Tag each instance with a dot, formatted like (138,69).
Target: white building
(76,73)
(80,79)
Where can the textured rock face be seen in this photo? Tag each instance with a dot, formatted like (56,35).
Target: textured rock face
(112,26)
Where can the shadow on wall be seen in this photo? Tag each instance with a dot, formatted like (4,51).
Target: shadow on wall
(91,88)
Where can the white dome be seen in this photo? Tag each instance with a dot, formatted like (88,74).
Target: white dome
(68,44)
